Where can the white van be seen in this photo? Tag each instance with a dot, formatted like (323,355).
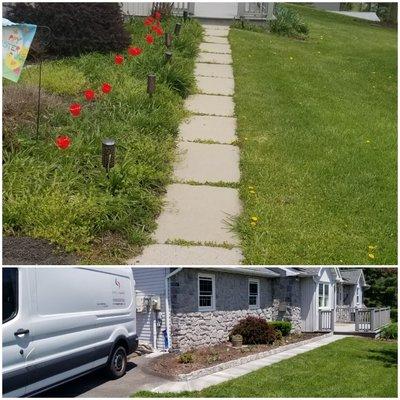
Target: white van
(60,323)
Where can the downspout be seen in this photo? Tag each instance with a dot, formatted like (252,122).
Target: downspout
(167,307)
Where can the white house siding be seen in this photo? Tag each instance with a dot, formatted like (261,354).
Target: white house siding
(133,8)
(150,281)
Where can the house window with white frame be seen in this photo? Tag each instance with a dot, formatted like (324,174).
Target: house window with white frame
(358,296)
(254,293)
(206,286)
(323,295)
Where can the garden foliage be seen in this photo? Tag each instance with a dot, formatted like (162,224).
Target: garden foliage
(76,28)
(389,332)
(255,330)
(282,326)
(65,196)
(288,23)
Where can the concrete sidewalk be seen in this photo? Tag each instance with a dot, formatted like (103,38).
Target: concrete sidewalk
(235,372)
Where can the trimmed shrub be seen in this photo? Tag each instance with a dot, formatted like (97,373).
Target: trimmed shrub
(389,332)
(393,314)
(76,28)
(255,330)
(282,326)
(186,358)
(288,23)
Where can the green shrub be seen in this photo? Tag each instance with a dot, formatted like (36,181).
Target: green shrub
(76,28)
(284,327)
(57,77)
(389,332)
(255,330)
(186,358)
(288,23)
(250,26)
(393,314)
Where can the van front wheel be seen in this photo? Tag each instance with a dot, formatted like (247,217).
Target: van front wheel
(117,364)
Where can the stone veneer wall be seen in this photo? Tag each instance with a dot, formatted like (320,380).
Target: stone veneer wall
(193,328)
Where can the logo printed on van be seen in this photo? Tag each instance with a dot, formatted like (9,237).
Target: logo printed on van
(117,283)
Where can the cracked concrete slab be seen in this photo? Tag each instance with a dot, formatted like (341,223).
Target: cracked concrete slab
(169,254)
(214,58)
(211,85)
(207,163)
(208,127)
(199,214)
(214,70)
(215,48)
(210,105)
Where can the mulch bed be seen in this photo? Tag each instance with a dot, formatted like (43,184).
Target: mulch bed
(205,357)
(26,251)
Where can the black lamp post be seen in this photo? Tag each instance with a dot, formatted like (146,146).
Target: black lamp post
(177,29)
(185,15)
(167,39)
(108,153)
(151,84)
(168,56)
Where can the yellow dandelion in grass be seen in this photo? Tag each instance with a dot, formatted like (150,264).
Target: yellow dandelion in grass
(252,191)
(252,223)
(291,58)
(371,248)
(368,141)
(371,256)
(254,219)
(251,187)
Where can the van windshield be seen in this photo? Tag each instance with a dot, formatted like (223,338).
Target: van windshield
(10,293)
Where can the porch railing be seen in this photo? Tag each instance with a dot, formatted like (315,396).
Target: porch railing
(326,320)
(371,319)
(345,314)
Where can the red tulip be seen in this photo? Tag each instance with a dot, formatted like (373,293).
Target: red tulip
(149,39)
(75,109)
(106,88)
(119,59)
(63,142)
(148,21)
(157,15)
(159,31)
(89,94)
(134,51)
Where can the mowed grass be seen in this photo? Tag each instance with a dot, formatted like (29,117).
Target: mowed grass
(351,367)
(317,127)
(65,196)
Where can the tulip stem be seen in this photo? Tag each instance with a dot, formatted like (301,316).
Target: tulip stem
(38,103)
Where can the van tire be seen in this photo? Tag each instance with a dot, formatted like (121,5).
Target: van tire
(116,367)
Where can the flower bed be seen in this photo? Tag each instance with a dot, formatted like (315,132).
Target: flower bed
(215,358)
(56,188)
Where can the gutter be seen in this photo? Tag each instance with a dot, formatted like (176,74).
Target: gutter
(167,307)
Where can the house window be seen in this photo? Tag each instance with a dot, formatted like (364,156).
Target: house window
(254,293)
(358,296)
(323,295)
(206,292)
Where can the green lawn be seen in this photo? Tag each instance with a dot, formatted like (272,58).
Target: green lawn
(351,367)
(318,134)
(65,196)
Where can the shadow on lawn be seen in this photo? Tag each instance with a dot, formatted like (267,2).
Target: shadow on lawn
(387,357)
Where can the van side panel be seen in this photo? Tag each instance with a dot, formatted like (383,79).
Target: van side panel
(79,314)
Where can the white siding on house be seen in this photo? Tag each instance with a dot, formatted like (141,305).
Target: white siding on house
(150,281)
(308,304)
(133,8)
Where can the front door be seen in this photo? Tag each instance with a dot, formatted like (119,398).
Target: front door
(216,10)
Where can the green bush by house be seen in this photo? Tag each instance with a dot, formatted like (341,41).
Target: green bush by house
(283,326)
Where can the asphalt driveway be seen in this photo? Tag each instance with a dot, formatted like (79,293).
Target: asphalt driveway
(96,384)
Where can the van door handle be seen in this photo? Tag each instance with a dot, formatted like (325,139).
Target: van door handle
(21,332)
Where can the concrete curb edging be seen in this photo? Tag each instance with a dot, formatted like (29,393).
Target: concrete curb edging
(234,363)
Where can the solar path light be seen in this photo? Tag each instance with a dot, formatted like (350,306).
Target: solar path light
(151,84)
(177,29)
(168,56)
(108,153)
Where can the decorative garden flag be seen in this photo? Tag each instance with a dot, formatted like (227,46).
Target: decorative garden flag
(17,39)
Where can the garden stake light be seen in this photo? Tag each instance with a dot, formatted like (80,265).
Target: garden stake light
(185,15)
(167,38)
(168,56)
(108,154)
(177,29)
(151,84)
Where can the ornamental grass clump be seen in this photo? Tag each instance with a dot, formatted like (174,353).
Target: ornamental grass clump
(254,330)
(288,23)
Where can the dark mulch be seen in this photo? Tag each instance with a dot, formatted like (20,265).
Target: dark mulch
(26,250)
(203,357)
